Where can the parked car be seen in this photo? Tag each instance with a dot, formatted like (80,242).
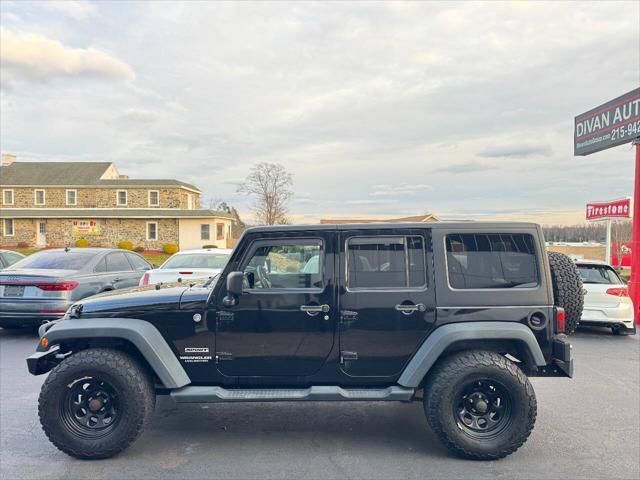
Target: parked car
(606,298)
(454,315)
(188,265)
(9,257)
(42,286)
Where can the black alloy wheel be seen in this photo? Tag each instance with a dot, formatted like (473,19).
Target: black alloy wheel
(90,408)
(483,409)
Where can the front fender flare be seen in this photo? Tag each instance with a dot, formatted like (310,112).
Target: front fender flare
(143,335)
(442,337)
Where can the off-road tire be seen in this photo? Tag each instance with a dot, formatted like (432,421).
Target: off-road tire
(441,399)
(567,289)
(134,391)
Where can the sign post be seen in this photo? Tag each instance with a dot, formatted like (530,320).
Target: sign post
(634,283)
(608,125)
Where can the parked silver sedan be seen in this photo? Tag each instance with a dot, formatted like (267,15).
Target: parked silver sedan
(42,286)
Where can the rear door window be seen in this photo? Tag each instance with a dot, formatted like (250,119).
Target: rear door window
(386,262)
(117,262)
(494,261)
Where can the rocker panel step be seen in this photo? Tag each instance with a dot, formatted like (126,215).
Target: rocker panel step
(192,394)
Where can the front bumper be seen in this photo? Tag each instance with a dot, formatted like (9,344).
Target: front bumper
(41,362)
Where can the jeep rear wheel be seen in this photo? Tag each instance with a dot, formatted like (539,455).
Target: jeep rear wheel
(567,289)
(480,404)
(96,403)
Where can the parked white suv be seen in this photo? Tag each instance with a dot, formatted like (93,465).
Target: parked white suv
(188,265)
(606,298)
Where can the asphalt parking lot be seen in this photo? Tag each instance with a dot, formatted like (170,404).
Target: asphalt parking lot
(588,427)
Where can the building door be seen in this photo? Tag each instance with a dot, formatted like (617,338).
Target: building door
(283,323)
(41,237)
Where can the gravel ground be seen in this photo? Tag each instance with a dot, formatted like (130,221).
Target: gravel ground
(588,427)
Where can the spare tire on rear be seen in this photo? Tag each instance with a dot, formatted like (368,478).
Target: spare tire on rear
(567,288)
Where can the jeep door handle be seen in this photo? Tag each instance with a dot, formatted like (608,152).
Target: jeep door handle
(314,309)
(409,309)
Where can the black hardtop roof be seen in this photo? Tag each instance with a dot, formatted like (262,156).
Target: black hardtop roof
(468,225)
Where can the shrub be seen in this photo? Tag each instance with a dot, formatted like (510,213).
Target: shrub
(125,245)
(170,248)
(82,243)
(138,249)
(23,245)
(210,246)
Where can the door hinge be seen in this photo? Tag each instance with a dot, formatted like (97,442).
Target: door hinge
(348,356)
(347,318)
(224,316)
(223,356)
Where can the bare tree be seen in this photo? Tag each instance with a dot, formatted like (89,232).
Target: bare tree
(269,186)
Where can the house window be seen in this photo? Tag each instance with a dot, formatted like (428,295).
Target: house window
(39,197)
(152,230)
(7,197)
(121,198)
(220,231)
(189,201)
(8,227)
(154,198)
(72,197)
(205,231)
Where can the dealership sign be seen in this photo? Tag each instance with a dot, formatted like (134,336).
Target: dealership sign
(85,227)
(608,210)
(613,123)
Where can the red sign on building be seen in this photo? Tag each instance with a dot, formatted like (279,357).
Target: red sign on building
(605,210)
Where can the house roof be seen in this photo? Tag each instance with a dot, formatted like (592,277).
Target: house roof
(74,174)
(147,213)
(429,217)
(52,173)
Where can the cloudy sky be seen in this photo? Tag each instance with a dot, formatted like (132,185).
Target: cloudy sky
(377,109)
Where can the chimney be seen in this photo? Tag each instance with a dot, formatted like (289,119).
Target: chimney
(7,159)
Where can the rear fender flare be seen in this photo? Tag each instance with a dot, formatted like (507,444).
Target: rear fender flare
(441,338)
(143,335)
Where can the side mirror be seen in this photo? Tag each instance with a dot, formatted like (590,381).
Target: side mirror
(234,288)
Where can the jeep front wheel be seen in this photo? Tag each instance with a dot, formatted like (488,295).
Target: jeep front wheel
(95,403)
(480,404)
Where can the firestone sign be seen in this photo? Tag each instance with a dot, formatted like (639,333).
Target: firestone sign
(613,123)
(607,210)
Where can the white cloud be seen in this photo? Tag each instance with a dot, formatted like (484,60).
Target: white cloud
(36,58)
(77,9)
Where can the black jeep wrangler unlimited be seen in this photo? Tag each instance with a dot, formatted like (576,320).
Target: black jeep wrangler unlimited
(455,315)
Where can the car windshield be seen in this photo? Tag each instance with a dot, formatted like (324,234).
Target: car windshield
(55,260)
(197,260)
(601,274)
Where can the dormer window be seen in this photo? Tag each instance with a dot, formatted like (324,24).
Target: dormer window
(121,198)
(154,198)
(39,197)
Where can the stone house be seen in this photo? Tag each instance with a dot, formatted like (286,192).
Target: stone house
(49,204)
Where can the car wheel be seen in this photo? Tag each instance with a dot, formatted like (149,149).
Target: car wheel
(567,289)
(95,403)
(480,405)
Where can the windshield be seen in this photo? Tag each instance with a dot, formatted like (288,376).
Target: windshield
(55,260)
(601,274)
(197,260)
